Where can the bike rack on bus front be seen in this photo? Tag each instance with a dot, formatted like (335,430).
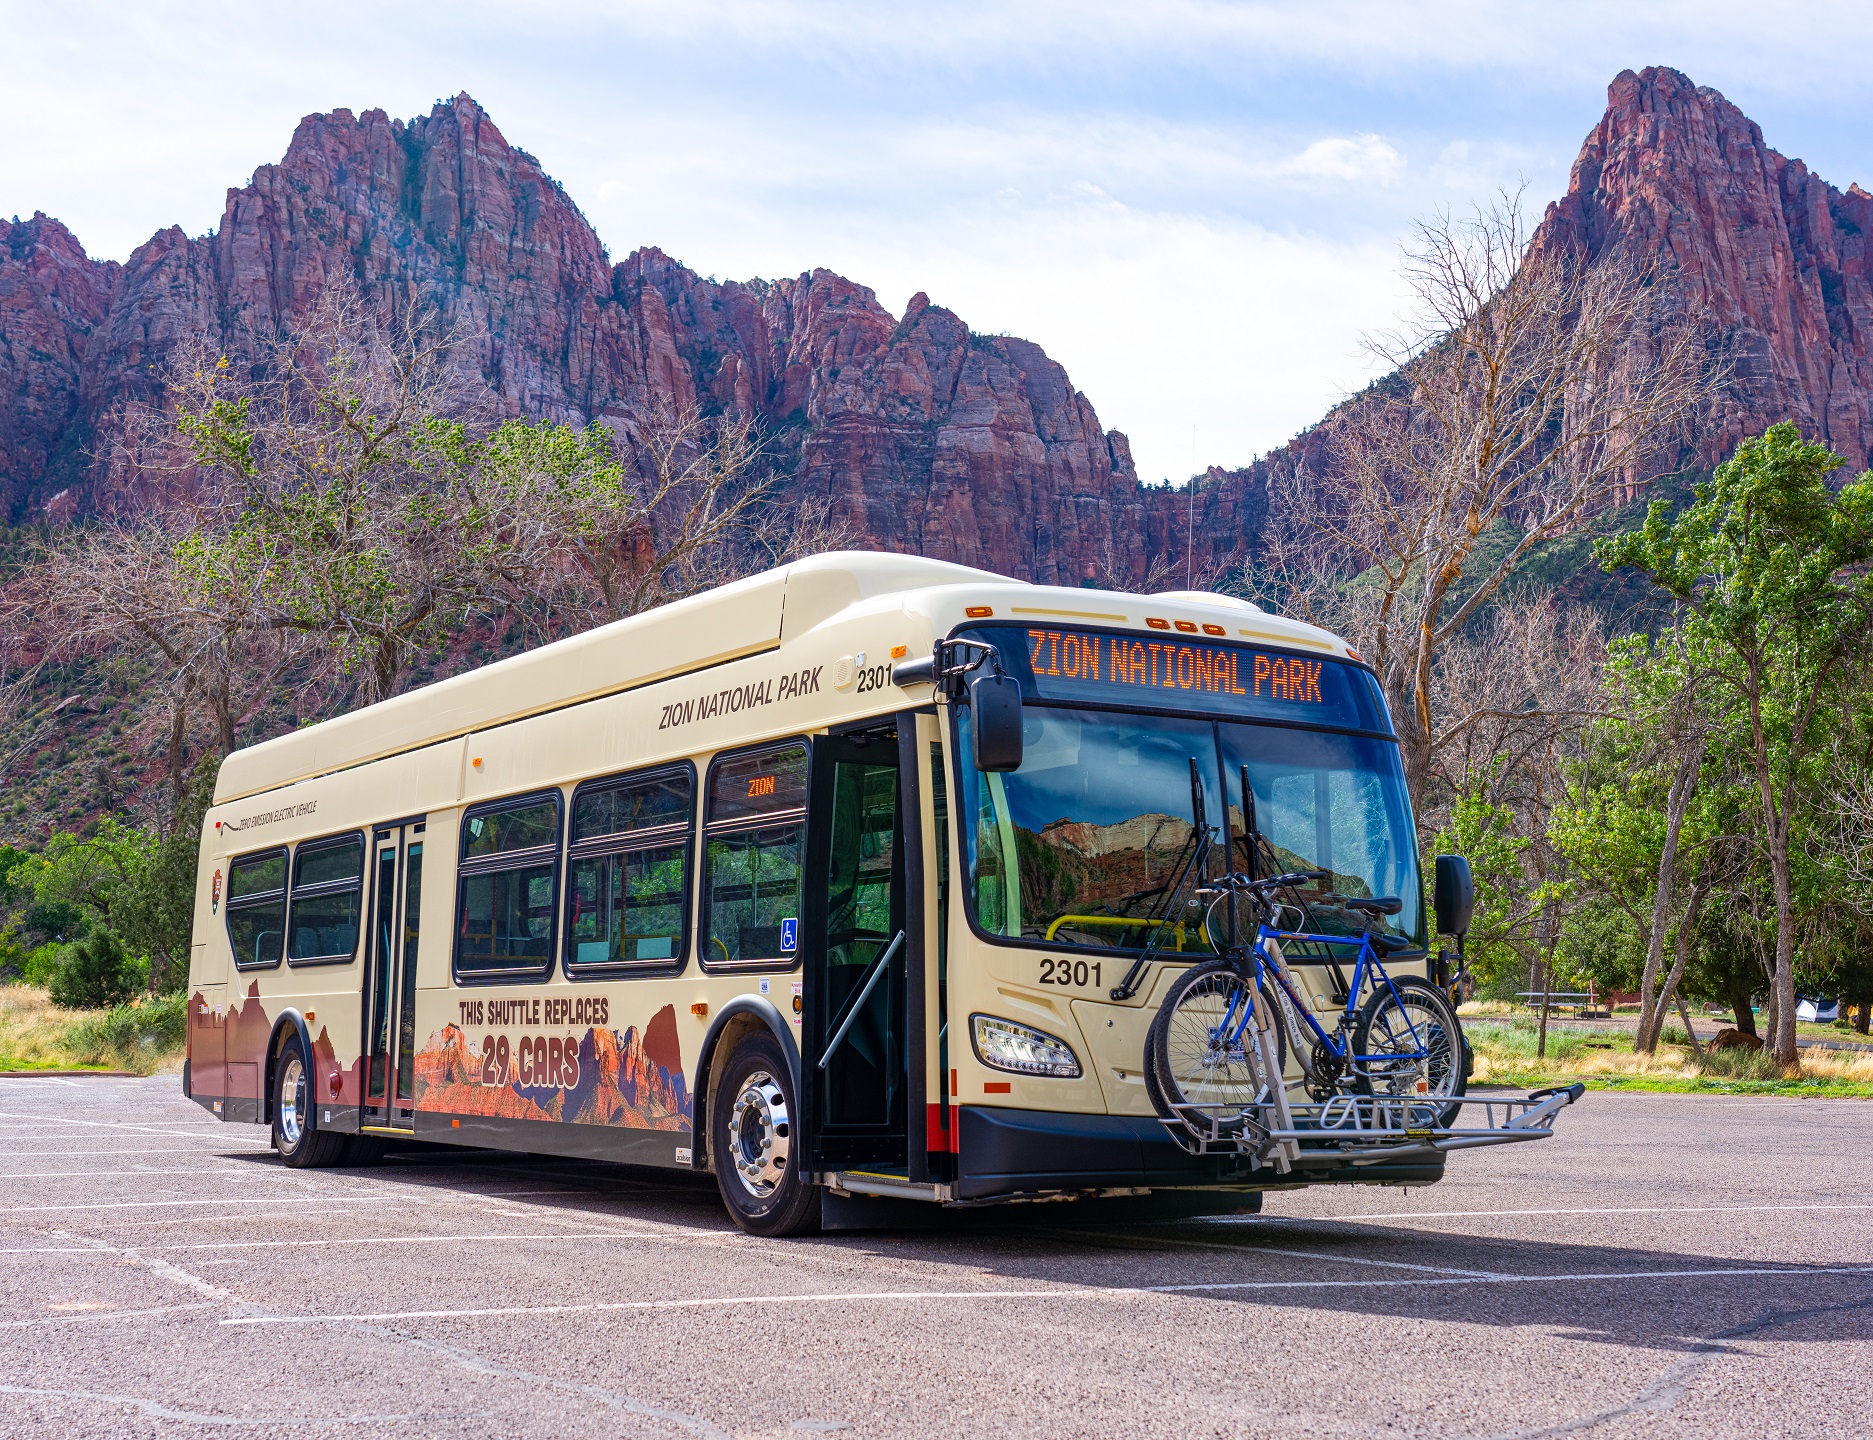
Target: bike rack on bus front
(1353,1131)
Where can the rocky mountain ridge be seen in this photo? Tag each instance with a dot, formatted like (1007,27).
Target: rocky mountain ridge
(924,436)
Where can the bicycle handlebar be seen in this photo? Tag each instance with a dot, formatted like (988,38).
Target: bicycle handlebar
(1241,882)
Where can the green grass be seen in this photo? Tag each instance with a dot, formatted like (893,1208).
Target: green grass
(1505,1051)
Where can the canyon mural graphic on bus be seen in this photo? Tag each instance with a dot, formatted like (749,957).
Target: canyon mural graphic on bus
(228,1053)
(605,1077)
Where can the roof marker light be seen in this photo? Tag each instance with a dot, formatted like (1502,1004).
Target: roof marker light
(1157,624)
(978,612)
(1214,630)
(1189,627)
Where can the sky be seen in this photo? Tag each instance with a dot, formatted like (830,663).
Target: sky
(1199,209)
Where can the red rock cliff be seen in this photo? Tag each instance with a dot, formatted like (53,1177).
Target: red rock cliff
(929,438)
(1770,259)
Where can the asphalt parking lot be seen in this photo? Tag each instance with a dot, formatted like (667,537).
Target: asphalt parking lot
(1665,1266)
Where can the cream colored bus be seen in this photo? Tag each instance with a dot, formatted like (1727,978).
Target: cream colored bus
(825,882)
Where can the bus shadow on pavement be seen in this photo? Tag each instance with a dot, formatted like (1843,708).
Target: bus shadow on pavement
(1646,1297)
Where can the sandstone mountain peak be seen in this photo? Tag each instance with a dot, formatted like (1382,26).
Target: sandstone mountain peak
(926,437)
(1770,260)
(921,435)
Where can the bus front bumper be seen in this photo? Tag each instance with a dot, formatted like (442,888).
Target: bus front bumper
(1008,1154)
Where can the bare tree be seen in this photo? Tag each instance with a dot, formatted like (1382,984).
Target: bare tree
(622,532)
(1534,385)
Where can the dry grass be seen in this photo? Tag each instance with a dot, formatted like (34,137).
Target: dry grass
(33,1029)
(144,1036)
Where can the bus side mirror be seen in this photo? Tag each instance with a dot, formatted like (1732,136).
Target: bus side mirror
(995,710)
(1453,895)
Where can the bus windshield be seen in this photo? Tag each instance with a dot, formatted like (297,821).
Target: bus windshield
(1081,845)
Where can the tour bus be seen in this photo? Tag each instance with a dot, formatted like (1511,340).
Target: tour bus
(824,882)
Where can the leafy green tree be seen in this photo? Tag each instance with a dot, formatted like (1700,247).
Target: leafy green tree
(153,907)
(1486,833)
(1769,562)
(96,973)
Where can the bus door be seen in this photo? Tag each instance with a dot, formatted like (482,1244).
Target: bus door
(390,977)
(856,953)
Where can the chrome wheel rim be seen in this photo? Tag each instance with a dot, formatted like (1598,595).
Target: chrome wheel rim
(760,1135)
(292,1109)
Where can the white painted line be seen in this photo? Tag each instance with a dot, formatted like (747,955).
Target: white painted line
(42,1320)
(158,1204)
(1151,1240)
(1495,1214)
(377,1240)
(67,1154)
(120,1125)
(1064,1292)
(245,1173)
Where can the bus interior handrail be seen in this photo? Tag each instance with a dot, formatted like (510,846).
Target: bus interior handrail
(878,968)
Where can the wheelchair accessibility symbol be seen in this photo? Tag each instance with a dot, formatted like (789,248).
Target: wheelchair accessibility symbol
(789,935)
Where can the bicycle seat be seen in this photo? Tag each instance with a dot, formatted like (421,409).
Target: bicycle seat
(1379,905)
(1390,944)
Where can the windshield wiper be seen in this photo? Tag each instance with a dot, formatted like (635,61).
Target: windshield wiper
(1178,894)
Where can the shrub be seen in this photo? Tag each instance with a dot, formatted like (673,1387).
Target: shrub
(41,964)
(137,1036)
(1740,1064)
(95,973)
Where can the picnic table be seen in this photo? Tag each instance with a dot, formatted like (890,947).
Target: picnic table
(1581,1002)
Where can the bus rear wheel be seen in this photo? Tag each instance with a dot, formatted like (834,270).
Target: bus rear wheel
(754,1139)
(296,1133)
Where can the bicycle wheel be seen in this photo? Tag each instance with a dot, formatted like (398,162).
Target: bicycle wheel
(1200,1049)
(1413,1044)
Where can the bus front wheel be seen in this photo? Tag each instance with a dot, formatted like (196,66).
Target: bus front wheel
(755,1140)
(296,1133)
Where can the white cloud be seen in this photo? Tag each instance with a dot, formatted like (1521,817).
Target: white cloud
(1365,159)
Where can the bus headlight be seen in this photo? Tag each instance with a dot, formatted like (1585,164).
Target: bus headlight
(1003,1045)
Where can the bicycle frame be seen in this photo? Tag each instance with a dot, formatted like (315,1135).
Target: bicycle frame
(1367,961)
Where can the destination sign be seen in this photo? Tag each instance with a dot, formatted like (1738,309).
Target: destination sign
(1100,667)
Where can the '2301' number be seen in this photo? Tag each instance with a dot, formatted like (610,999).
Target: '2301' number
(1069,972)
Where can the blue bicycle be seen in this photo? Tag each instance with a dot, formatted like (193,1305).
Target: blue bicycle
(1220,1041)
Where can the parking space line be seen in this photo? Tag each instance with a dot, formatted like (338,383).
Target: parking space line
(159,1204)
(1843,1207)
(67,1154)
(1064,1292)
(246,1173)
(1150,1240)
(122,1125)
(39,1321)
(339,1241)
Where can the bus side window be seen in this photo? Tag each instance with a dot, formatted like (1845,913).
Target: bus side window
(257,908)
(328,893)
(508,889)
(627,884)
(754,858)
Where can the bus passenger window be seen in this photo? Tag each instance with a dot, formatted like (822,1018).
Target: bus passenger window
(509,882)
(257,908)
(627,888)
(755,857)
(328,891)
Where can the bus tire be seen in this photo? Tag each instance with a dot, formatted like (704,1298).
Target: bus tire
(296,1133)
(1388,1021)
(756,1141)
(364,1149)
